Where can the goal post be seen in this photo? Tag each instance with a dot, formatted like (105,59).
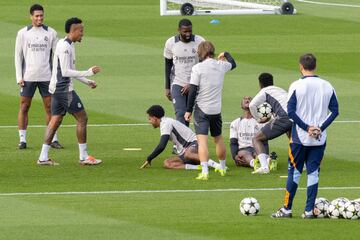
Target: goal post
(225,7)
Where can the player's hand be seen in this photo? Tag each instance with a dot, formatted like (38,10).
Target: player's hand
(21,83)
(95,69)
(264,119)
(314,132)
(168,94)
(221,57)
(92,84)
(145,164)
(187,116)
(185,89)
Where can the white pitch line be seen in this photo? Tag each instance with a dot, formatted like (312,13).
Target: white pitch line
(168,191)
(131,124)
(330,4)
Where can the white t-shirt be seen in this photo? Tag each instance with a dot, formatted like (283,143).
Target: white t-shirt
(275,96)
(184,57)
(244,129)
(64,68)
(180,135)
(33,53)
(209,77)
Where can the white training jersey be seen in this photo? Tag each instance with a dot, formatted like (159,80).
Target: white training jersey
(181,135)
(209,75)
(244,129)
(312,96)
(34,47)
(275,96)
(184,56)
(64,68)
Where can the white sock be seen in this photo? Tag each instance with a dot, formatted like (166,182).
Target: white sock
(286,211)
(44,152)
(222,164)
(263,160)
(213,164)
(191,167)
(83,151)
(55,138)
(252,162)
(205,168)
(22,135)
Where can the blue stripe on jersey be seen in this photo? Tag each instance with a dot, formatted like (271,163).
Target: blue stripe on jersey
(291,107)
(334,109)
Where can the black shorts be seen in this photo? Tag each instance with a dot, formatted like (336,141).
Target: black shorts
(276,127)
(29,88)
(203,122)
(65,102)
(195,146)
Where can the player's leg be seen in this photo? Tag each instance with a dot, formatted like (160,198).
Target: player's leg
(76,108)
(296,163)
(258,142)
(180,102)
(313,160)
(202,129)
(26,95)
(46,97)
(216,133)
(51,129)
(174,163)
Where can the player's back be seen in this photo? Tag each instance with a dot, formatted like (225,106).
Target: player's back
(209,77)
(181,135)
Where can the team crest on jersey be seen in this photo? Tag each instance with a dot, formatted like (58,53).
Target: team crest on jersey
(193,50)
(46,39)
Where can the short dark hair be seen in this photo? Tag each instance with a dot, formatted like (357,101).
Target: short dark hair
(185,22)
(266,79)
(156,111)
(70,22)
(36,7)
(308,61)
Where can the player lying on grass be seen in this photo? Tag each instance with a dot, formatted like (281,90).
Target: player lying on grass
(242,130)
(182,136)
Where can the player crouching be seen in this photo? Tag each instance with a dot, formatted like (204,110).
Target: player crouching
(181,136)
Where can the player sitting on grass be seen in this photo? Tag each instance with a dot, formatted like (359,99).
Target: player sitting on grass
(182,136)
(242,130)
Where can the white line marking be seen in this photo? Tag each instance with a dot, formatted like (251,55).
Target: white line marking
(330,4)
(169,191)
(132,124)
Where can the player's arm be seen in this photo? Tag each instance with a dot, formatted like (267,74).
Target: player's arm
(19,57)
(65,60)
(90,83)
(158,149)
(291,108)
(334,112)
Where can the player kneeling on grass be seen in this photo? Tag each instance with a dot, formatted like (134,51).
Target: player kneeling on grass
(63,97)
(242,130)
(181,135)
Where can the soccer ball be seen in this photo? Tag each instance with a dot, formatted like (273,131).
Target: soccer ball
(249,206)
(336,207)
(351,210)
(264,110)
(321,207)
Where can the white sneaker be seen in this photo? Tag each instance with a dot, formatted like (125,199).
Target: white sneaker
(48,162)
(261,170)
(90,160)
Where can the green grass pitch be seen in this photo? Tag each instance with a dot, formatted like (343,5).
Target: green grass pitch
(126,38)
